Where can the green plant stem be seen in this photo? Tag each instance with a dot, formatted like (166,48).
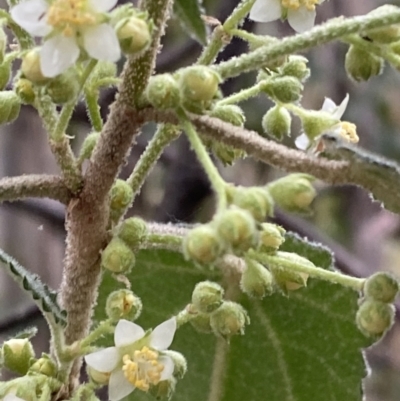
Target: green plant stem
(217,181)
(164,241)
(333,29)
(184,316)
(93,108)
(243,94)
(103,328)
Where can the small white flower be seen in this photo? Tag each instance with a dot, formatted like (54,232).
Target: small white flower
(135,361)
(68,26)
(299,13)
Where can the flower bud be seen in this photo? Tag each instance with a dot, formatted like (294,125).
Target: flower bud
(207,296)
(88,146)
(395,48)
(382,287)
(31,69)
(98,377)
(362,65)
(117,257)
(227,154)
(104,69)
(374,318)
(3,44)
(17,355)
(45,366)
(315,122)
(63,88)
(238,228)
(255,200)
(121,196)
(202,244)
(5,73)
(163,390)
(296,67)
(284,89)
(229,319)
(276,122)
(10,106)
(256,280)
(180,364)
(134,35)
(123,304)
(201,322)
(24,89)
(385,35)
(229,113)
(163,92)
(133,231)
(271,236)
(293,193)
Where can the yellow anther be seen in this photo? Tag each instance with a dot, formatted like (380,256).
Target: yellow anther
(292,4)
(348,131)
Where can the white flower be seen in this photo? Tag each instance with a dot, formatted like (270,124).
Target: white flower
(299,13)
(135,361)
(68,26)
(12,397)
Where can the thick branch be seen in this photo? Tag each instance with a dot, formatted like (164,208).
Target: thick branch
(34,186)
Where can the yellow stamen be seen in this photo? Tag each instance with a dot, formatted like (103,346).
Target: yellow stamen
(295,4)
(348,131)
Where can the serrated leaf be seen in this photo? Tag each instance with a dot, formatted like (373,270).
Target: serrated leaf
(40,293)
(189,14)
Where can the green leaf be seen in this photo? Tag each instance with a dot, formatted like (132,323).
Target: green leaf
(189,13)
(43,297)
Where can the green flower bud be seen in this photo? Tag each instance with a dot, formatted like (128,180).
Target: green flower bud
(104,69)
(98,377)
(133,231)
(229,319)
(134,35)
(255,200)
(227,154)
(121,196)
(314,122)
(88,146)
(163,390)
(284,89)
(180,364)
(163,92)
(201,322)
(276,122)
(395,48)
(30,67)
(24,89)
(229,113)
(271,236)
(17,355)
(202,244)
(123,304)
(117,257)
(207,296)
(63,88)
(382,287)
(293,193)
(296,67)
(362,65)
(5,73)
(374,318)
(45,366)
(238,228)
(10,106)
(3,44)
(256,280)
(385,35)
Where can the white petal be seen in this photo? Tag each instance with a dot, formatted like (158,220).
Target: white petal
(31,15)
(301,20)
(302,142)
(102,6)
(58,54)
(266,10)
(329,106)
(168,367)
(118,386)
(12,397)
(127,333)
(101,43)
(162,336)
(342,108)
(104,360)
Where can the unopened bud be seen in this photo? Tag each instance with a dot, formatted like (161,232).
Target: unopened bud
(229,113)
(202,244)
(207,296)
(104,69)
(227,154)
(276,122)
(180,364)
(374,318)
(271,236)
(134,35)
(121,196)
(44,366)
(284,89)
(386,35)
(88,145)
(201,322)
(382,287)
(163,92)
(163,390)
(117,257)
(296,67)
(123,304)
(63,88)
(3,44)
(98,377)
(229,319)
(315,122)
(31,69)
(133,231)
(199,83)
(10,106)
(361,65)
(293,193)
(256,280)
(24,89)
(5,73)
(17,355)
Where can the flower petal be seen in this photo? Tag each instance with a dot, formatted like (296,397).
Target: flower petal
(104,360)
(118,386)
(162,336)
(301,20)
(168,367)
(58,54)
(101,43)
(329,106)
(127,333)
(12,397)
(102,6)
(266,10)
(31,15)
(341,108)
(302,142)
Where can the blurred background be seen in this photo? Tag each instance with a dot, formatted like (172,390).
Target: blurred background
(364,237)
